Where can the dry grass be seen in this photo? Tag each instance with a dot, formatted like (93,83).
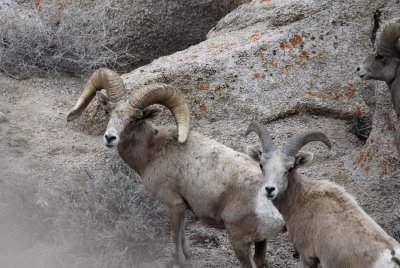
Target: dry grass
(110,221)
(56,37)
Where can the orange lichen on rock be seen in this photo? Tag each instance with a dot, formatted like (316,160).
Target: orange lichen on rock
(217,90)
(337,96)
(351,91)
(203,86)
(296,40)
(303,54)
(367,168)
(255,36)
(359,111)
(384,172)
(37,4)
(203,107)
(316,94)
(259,76)
(287,67)
(283,45)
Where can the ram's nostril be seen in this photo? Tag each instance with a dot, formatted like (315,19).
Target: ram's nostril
(109,138)
(269,189)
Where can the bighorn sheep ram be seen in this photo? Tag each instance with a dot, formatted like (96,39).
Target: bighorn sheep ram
(185,170)
(384,65)
(324,222)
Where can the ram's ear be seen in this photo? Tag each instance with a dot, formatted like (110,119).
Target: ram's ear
(151,114)
(303,159)
(254,152)
(102,100)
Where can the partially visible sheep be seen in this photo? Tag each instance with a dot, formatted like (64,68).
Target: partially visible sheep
(384,65)
(324,222)
(185,170)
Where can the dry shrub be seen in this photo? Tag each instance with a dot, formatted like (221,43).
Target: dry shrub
(109,222)
(55,36)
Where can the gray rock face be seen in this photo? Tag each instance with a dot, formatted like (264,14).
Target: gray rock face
(156,28)
(270,59)
(267,71)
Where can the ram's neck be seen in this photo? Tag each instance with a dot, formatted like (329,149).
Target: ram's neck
(136,146)
(294,195)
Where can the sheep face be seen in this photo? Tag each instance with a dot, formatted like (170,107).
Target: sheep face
(123,117)
(276,168)
(379,67)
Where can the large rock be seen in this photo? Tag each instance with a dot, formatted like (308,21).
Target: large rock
(145,30)
(260,70)
(271,59)
(155,28)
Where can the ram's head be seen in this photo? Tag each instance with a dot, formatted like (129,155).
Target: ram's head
(126,112)
(383,64)
(276,165)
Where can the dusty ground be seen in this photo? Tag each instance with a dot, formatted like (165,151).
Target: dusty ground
(39,151)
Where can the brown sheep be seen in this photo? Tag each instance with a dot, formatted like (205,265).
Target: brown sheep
(384,65)
(185,170)
(324,222)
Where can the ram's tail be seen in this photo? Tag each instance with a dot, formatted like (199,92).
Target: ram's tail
(396,260)
(396,257)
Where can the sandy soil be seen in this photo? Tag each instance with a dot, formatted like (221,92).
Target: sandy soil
(38,149)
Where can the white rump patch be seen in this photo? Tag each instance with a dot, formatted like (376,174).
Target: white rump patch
(385,259)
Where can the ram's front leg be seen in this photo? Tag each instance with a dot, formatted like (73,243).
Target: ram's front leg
(260,253)
(241,247)
(243,252)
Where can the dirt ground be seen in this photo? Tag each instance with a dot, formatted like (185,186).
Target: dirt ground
(39,149)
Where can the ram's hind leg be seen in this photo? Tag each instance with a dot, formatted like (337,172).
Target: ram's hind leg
(260,253)
(184,241)
(176,213)
(397,138)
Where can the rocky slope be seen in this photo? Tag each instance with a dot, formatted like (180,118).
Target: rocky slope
(288,64)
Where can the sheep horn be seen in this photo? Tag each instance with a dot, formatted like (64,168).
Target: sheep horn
(297,142)
(168,96)
(263,134)
(388,43)
(101,78)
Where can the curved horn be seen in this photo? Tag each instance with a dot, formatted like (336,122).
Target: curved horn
(168,96)
(101,78)
(263,134)
(297,142)
(388,43)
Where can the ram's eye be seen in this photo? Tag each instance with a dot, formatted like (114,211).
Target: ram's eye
(379,57)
